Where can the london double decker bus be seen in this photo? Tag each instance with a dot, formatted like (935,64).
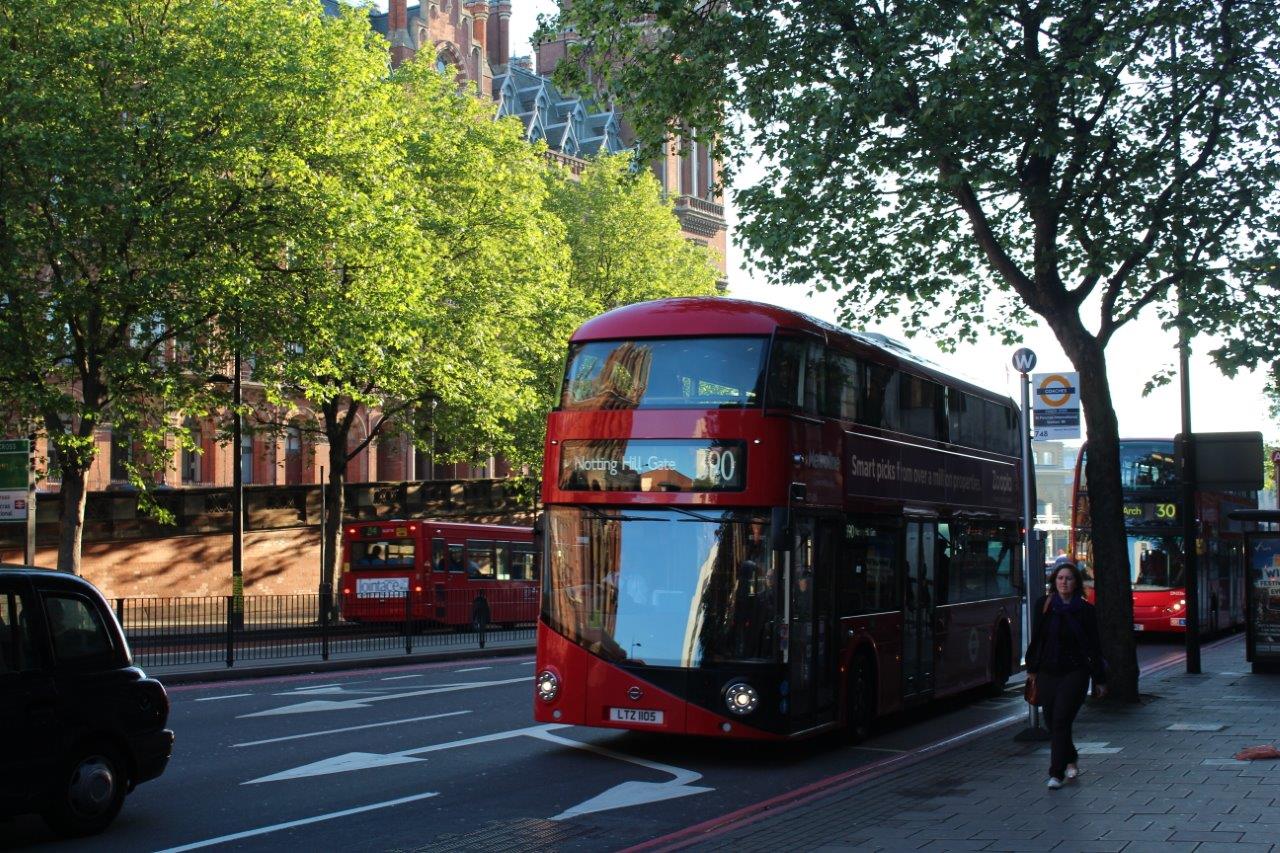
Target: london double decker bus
(759,525)
(1153,507)
(438,572)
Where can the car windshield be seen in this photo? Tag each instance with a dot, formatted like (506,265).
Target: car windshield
(674,373)
(662,587)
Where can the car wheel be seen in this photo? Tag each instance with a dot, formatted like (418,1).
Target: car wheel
(89,791)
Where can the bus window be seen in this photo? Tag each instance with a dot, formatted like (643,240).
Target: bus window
(844,386)
(880,406)
(871,560)
(502,551)
(922,407)
(685,373)
(453,560)
(381,553)
(786,374)
(1156,561)
(480,560)
(524,563)
(1147,465)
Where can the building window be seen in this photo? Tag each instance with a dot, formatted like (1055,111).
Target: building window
(246,458)
(190,465)
(121,454)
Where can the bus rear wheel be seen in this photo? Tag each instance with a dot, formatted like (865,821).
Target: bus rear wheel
(860,701)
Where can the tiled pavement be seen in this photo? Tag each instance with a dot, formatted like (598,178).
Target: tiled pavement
(1143,786)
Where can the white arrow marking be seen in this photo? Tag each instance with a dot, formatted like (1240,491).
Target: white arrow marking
(628,793)
(338,764)
(323,705)
(362,760)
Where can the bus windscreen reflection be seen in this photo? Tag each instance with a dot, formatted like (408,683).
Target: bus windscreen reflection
(662,588)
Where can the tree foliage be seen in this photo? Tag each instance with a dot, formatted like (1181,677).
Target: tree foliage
(1079,162)
(155,156)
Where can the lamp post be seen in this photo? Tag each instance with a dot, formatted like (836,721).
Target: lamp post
(237,493)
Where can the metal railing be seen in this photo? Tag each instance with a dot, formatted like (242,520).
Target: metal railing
(202,631)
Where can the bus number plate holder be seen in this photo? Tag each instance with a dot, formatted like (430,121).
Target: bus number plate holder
(635,715)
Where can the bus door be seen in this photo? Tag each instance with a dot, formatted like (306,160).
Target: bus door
(918,611)
(811,637)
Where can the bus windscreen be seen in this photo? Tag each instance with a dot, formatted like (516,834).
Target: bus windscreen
(668,373)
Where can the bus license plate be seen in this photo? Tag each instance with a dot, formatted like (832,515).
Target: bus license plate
(635,715)
(1138,626)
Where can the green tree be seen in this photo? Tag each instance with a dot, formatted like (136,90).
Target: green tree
(154,154)
(428,281)
(978,164)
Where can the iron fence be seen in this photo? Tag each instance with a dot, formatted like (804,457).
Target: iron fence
(193,631)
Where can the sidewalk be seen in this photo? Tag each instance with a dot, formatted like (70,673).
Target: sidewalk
(1159,776)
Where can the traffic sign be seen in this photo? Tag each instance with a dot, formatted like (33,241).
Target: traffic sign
(1024,360)
(15,462)
(1056,405)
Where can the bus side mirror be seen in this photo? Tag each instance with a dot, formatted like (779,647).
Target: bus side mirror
(780,528)
(539,530)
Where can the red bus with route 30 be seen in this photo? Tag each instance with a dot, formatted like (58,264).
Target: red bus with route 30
(760,525)
(438,572)
(1152,493)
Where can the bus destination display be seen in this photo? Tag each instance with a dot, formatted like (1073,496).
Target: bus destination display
(1158,513)
(653,466)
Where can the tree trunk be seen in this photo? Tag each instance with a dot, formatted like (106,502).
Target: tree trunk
(1106,508)
(335,509)
(71,520)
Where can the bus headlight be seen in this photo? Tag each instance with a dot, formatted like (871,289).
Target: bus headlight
(1178,605)
(547,685)
(741,698)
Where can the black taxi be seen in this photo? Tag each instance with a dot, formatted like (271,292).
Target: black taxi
(80,726)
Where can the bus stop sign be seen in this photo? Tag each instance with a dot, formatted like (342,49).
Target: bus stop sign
(15,456)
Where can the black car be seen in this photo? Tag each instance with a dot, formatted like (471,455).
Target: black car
(80,726)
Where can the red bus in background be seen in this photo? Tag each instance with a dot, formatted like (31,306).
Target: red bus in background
(438,572)
(759,525)
(1153,509)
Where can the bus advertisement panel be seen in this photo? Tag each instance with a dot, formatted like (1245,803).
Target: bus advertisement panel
(761,526)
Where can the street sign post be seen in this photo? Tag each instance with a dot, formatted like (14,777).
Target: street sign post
(1057,405)
(1024,361)
(15,464)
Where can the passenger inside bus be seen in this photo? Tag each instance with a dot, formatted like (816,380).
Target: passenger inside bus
(374,555)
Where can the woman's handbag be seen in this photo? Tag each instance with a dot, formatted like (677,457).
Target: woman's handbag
(1030,691)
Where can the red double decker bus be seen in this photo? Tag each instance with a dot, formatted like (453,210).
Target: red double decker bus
(759,525)
(1153,507)
(438,572)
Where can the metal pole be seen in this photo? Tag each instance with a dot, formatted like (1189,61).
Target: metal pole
(237,497)
(1028,516)
(1190,516)
(29,542)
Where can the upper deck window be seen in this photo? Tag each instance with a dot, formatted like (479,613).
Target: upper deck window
(675,373)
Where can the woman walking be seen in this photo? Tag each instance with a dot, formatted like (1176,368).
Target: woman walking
(1063,655)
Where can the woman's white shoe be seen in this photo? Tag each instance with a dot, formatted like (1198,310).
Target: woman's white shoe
(1072,771)
(1054,783)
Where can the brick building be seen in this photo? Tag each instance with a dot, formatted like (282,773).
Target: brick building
(471,36)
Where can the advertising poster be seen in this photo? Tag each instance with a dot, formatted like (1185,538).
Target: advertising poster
(1264,575)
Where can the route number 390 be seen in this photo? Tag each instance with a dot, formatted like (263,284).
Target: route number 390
(720,466)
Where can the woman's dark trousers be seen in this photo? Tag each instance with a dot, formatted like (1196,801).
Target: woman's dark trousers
(1062,694)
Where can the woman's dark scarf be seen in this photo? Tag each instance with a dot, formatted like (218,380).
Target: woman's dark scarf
(1068,612)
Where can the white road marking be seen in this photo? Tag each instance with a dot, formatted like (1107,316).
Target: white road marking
(352,728)
(473,669)
(361,760)
(350,704)
(527,663)
(313,687)
(250,833)
(630,793)
(228,696)
(398,677)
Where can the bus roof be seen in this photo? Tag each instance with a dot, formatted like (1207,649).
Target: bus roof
(719,315)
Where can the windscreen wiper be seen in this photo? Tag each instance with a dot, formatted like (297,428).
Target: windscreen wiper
(699,516)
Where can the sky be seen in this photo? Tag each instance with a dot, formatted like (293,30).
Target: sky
(1134,355)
